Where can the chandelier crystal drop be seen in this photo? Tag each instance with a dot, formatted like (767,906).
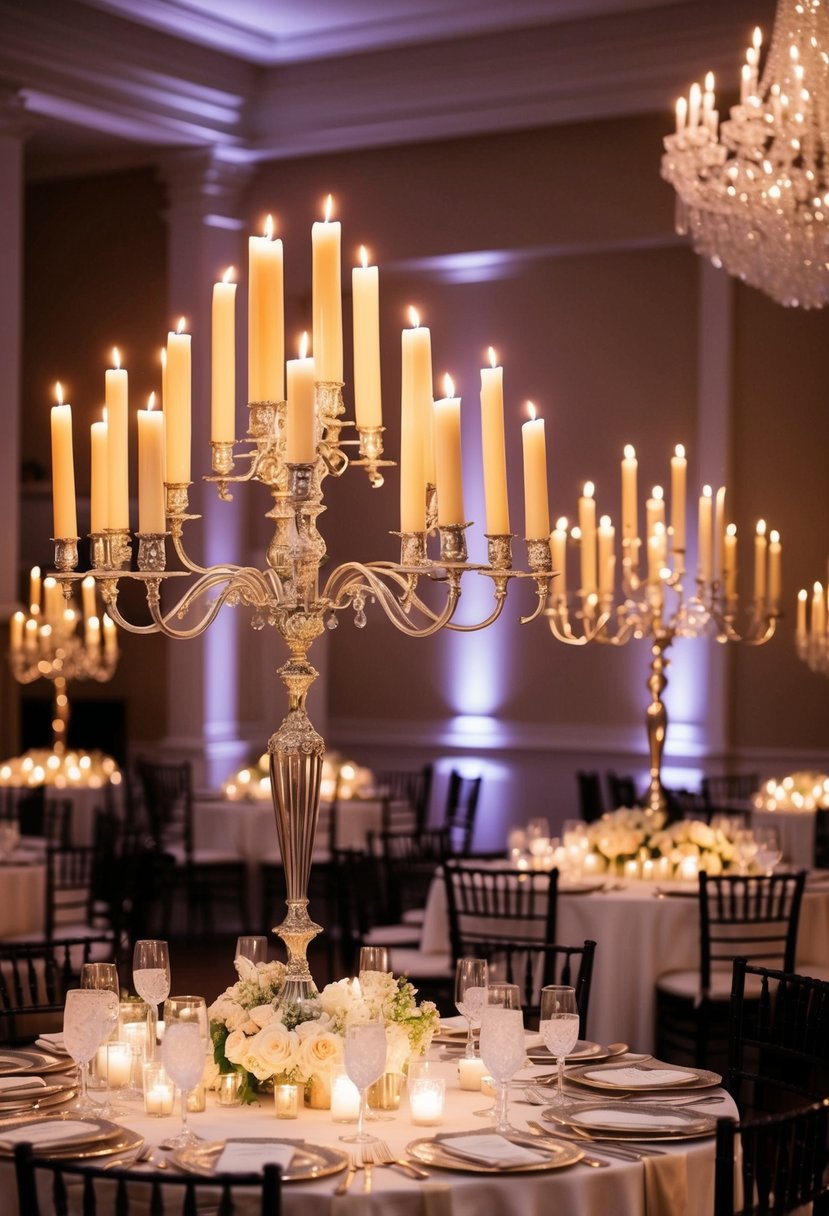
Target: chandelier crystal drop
(753,192)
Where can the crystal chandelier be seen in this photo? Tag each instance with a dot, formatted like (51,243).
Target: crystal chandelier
(753,192)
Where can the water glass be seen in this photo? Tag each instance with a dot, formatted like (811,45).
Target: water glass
(253,948)
(182,1054)
(559,1027)
(151,977)
(471,983)
(503,1052)
(89,1015)
(365,1061)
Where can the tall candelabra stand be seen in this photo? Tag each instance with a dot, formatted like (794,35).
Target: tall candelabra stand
(657,607)
(62,646)
(287,595)
(812,638)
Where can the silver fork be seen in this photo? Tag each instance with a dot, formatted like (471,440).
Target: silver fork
(383,1155)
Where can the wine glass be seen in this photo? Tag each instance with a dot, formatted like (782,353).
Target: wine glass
(769,849)
(88,1016)
(104,977)
(365,1061)
(471,983)
(502,1047)
(191,1009)
(538,838)
(373,958)
(559,1026)
(745,849)
(182,1054)
(253,948)
(151,976)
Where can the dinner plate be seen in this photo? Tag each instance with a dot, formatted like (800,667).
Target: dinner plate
(14,1061)
(435,1153)
(67,1137)
(623,1121)
(56,1086)
(309,1160)
(583,1050)
(633,1077)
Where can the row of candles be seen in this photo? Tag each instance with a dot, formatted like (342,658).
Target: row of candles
(698,112)
(813,612)
(50,621)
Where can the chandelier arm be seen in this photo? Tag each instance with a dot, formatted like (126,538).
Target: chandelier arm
(394,608)
(542,593)
(176,532)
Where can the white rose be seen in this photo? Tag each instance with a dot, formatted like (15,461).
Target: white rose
(262,1015)
(318,1051)
(272,1051)
(701,834)
(236,1046)
(306,1030)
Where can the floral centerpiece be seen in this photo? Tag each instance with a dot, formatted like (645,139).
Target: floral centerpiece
(341,779)
(253,1036)
(802,791)
(635,834)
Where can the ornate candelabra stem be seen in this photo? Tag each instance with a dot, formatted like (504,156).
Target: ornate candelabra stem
(60,715)
(656,720)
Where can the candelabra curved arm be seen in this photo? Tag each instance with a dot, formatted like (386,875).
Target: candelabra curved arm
(352,582)
(192,567)
(558,618)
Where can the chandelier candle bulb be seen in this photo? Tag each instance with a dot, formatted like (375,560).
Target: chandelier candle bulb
(704,535)
(116,397)
(630,527)
(99,477)
(150,469)
(587,525)
(365,293)
(718,556)
(681,114)
(415,406)
(536,500)
(88,597)
(679,473)
(694,101)
(607,559)
(92,634)
(818,612)
(35,586)
(64,513)
(760,548)
(177,407)
(494,450)
(449,468)
(326,294)
(654,510)
(266,317)
(730,561)
(558,552)
(300,423)
(223,361)
(802,597)
(775,552)
(16,630)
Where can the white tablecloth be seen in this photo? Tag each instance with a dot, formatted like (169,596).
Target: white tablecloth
(618,1190)
(249,828)
(797,834)
(22,899)
(638,938)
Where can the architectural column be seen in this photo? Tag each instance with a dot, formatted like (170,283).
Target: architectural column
(204,675)
(15,125)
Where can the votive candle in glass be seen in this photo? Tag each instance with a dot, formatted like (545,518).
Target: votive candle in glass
(159,1091)
(230,1084)
(471,1073)
(426,1099)
(345,1097)
(286,1101)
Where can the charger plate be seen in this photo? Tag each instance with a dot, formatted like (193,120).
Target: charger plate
(16,1060)
(435,1153)
(67,1137)
(622,1121)
(309,1160)
(601,1076)
(57,1086)
(583,1050)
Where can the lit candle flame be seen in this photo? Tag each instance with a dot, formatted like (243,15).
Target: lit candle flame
(329,204)
(757,38)
(269,226)
(709,82)
(448,386)
(59,392)
(774,536)
(658,492)
(229,275)
(575,532)
(414,316)
(604,521)
(630,451)
(531,411)
(561,523)
(818,588)
(363,257)
(151,401)
(493,359)
(761,527)
(731,530)
(679,451)
(181,324)
(303,346)
(589,489)
(116,358)
(706,491)
(803,594)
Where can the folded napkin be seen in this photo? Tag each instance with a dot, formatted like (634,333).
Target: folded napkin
(50,1131)
(490,1149)
(630,1078)
(7,1083)
(623,1118)
(666,1184)
(249,1156)
(52,1042)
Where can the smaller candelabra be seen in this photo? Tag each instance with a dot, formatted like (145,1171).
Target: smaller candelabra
(811,638)
(660,601)
(55,641)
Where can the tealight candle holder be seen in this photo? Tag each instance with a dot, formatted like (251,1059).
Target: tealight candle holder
(426,1100)
(230,1085)
(345,1097)
(286,1101)
(159,1091)
(471,1073)
(118,1064)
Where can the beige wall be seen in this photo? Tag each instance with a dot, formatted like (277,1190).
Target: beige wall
(595,314)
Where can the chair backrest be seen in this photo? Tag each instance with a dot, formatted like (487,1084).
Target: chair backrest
(462,797)
(748,917)
(621,791)
(361,899)
(779,1039)
(510,920)
(412,787)
(782,1159)
(124,1190)
(48,817)
(168,801)
(591,803)
(34,977)
(821,855)
(409,861)
(729,791)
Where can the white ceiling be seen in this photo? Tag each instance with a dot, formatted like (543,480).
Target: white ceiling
(116,82)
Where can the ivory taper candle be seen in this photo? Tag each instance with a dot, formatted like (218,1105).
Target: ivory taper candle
(679,474)
(326,292)
(223,361)
(587,526)
(64,512)
(118,486)
(151,469)
(300,424)
(177,407)
(266,317)
(494,450)
(704,534)
(99,476)
(415,406)
(558,553)
(536,499)
(365,294)
(448,461)
(760,547)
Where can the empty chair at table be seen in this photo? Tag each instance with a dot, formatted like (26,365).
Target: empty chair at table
(206,876)
(739,917)
(729,791)
(405,794)
(621,790)
(460,810)
(34,978)
(128,1190)
(821,848)
(591,801)
(779,1039)
(772,1163)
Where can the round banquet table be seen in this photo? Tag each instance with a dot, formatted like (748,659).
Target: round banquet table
(681,1181)
(22,898)
(639,937)
(248,828)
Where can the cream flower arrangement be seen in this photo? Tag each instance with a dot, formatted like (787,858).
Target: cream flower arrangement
(254,1037)
(628,834)
(801,791)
